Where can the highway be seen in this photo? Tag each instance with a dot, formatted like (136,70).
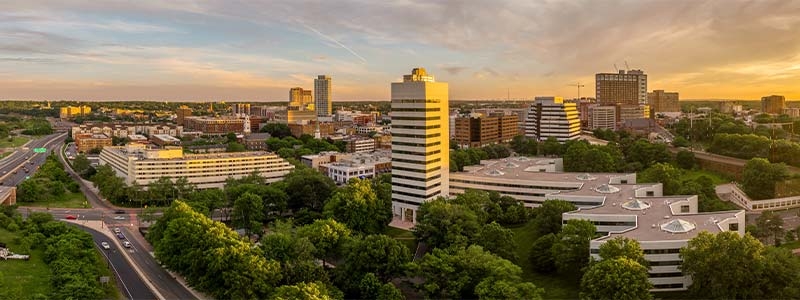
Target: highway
(12,167)
(131,286)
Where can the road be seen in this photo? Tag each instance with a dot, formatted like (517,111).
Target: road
(131,286)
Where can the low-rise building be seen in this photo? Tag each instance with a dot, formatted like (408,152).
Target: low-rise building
(216,125)
(358,165)
(165,140)
(136,163)
(603,117)
(315,160)
(88,141)
(615,203)
(256,141)
(70,112)
(358,144)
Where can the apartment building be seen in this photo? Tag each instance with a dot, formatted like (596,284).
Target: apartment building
(478,130)
(358,144)
(70,112)
(85,142)
(603,117)
(322,96)
(216,125)
(773,104)
(622,88)
(552,117)
(661,101)
(136,163)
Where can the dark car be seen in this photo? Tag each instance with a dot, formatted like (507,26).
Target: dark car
(120,236)
(119,211)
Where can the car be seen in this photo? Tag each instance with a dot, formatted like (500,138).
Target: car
(126,244)
(70,217)
(119,218)
(116,230)
(105,245)
(120,236)
(119,211)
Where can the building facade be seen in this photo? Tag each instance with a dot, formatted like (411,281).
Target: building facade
(603,117)
(300,99)
(322,96)
(478,130)
(85,142)
(137,164)
(622,88)
(661,101)
(218,125)
(181,113)
(420,142)
(360,144)
(551,117)
(773,104)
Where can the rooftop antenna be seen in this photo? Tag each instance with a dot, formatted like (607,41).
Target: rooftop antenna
(626,65)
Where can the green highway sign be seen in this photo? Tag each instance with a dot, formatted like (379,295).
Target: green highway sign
(39,150)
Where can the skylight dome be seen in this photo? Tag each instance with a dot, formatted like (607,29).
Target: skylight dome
(678,226)
(607,189)
(636,204)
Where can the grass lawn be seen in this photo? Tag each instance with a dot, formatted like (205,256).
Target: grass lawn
(4,154)
(404,236)
(555,286)
(717,178)
(68,200)
(15,142)
(23,278)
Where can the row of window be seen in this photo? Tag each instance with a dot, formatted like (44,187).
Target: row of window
(416,127)
(416,144)
(417,153)
(662,275)
(419,136)
(417,109)
(422,188)
(437,176)
(668,286)
(416,101)
(416,170)
(662,251)
(436,193)
(511,185)
(416,118)
(417,162)
(610,223)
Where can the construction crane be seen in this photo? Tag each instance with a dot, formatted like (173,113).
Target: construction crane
(579,86)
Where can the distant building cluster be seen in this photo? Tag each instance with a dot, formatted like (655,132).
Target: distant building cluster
(70,112)
(341,167)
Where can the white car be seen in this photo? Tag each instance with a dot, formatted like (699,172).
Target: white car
(119,218)
(126,244)
(105,245)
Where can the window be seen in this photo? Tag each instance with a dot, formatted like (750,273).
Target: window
(684,208)
(733,227)
(650,194)
(624,181)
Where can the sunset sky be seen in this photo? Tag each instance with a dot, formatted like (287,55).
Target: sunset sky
(257,50)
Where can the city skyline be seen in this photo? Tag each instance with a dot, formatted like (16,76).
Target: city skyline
(78,50)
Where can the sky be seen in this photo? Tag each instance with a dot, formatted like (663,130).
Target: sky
(485,49)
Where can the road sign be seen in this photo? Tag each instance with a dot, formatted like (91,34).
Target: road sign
(39,150)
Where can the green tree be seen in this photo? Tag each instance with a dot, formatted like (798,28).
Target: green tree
(441,224)
(471,272)
(760,176)
(548,216)
(81,165)
(235,147)
(307,188)
(781,279)
(623,247)
(551,147)
(305,291)
(770,227)
(277,130)
(378,254)
(685,159)
(541,256)
(327,236)
(739,256)
(498,240)
(358,206)
(370,287)
(663,173)
(248,213)
(616,278)
(571,248)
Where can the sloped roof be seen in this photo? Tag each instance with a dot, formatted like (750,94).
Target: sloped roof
(678,226)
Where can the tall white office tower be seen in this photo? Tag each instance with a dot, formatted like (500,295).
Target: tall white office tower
(322,96)
(420,143)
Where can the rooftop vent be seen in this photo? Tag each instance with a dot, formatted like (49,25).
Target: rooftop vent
(585,177)
(678,226)
(494,172)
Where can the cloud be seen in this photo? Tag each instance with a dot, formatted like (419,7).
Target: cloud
(454,70)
